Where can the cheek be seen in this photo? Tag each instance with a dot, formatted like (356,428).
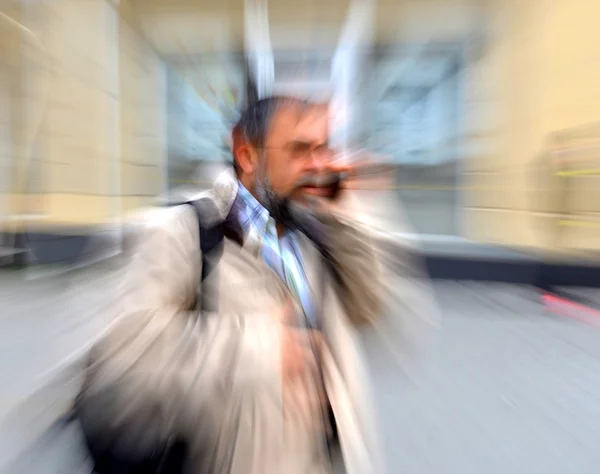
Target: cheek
(293,174)
(286,182)
(284,177)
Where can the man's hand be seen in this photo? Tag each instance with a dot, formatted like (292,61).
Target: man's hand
(302,390)
(365,170)
(303,394)
(296,343)
(336,189)
(297,356)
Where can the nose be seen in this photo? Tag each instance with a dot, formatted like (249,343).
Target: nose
(317,162)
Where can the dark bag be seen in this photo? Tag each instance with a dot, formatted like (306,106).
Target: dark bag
(169,459)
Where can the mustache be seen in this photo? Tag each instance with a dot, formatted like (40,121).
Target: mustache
(320,181)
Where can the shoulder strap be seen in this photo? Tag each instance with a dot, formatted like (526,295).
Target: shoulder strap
(213,227)
(211,233)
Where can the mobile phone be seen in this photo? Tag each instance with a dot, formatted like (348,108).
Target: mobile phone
(332,183)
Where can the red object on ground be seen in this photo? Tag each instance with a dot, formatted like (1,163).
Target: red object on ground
(571,309)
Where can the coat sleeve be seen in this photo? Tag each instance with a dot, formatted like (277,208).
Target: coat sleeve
(160,354)
(357,273)
(409,322)
(384,283)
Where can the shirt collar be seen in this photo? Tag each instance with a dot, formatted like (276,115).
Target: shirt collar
(252,213)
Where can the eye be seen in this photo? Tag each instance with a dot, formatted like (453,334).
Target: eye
(324,150)
(300,149)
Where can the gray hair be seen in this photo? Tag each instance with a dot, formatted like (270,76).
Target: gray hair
(254,122)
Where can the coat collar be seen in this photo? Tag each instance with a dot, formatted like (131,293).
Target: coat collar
(225,190)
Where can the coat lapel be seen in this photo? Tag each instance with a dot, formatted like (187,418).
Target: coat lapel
(225,191)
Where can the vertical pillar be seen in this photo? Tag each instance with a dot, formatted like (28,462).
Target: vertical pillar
(351,54)
(5,138)
(259,52)
(20,121)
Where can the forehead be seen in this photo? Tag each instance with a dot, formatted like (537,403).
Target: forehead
(295,122)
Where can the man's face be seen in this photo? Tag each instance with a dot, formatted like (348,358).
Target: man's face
(296,150)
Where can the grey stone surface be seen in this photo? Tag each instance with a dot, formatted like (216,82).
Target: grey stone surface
(47,324)
(511,389)
(514,389)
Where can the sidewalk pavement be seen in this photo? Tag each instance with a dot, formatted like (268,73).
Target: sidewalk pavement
(513,389)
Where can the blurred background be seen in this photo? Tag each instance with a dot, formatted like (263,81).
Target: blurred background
(488,112)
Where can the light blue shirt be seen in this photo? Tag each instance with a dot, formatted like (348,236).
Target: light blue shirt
(282,254)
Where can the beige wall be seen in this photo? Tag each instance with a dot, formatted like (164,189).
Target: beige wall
(102,141)
(102,147)
(81,125)
(143,119)
(538,74)
(15,125)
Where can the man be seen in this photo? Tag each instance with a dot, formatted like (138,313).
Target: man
(247,385)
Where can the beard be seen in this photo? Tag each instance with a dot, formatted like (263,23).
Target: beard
(290,213)
(273,202)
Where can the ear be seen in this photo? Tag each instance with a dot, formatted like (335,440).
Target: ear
(247,158)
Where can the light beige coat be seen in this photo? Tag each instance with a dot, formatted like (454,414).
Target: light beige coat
(216,378)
